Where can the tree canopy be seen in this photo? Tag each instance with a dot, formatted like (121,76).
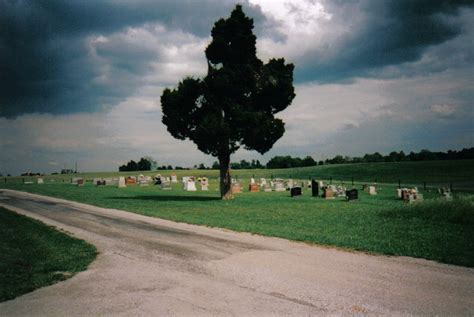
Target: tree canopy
(235,104)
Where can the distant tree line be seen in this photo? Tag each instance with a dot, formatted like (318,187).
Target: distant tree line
(31,174)
(144,164)
(289,162)
(423,155)
(147,163)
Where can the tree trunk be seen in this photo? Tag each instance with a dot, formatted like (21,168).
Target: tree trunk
(225,180)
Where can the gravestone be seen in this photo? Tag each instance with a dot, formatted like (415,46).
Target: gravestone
(279,185)
(399,193)
(445,193)
(174,178)
(372,190)
(254,188)
(295,191)
(405,193)
(80,182)
(190,186)
(236,188)
(204,183)
(267,188)
(352,194)
(40,181)
(74,180)
(314,188)
(252,180)
(321,184)
(121,182)
(328,193)
(340,191)
(130,180)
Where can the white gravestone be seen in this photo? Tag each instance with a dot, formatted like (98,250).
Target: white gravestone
(174,178)
(40,181)
(204,184)
(121,182)
(279,185)
(399,192)
(372,190)
(190,185)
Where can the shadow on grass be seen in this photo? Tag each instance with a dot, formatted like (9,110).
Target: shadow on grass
(167,198)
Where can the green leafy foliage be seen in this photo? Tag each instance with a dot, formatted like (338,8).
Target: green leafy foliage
(235,104)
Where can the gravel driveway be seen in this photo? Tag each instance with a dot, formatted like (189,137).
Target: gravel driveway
(149,266)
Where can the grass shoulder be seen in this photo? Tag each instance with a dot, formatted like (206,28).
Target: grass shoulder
(33,255)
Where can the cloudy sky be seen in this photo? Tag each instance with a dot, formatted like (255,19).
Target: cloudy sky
(81,80)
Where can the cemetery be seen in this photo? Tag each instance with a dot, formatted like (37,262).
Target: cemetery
(388,208)
(375,213)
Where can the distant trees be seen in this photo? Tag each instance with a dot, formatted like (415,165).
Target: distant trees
(143,164)
(147,163)
(423,155)
(288,162)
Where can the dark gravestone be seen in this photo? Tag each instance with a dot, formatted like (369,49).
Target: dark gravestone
(314,188)
(352,194)
(101,183)
(158,181)
(295,191)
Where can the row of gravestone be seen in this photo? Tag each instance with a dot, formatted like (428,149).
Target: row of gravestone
(409,195)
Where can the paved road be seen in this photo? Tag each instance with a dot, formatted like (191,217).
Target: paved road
(150,266)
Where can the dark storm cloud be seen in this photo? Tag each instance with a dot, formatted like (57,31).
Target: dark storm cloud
(45,65)
(393,32)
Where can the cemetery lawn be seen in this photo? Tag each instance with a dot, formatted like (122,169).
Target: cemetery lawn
(33,255)
(434,229)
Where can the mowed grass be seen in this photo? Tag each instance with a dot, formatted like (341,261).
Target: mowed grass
(433,173)
(434,229)
(33,255)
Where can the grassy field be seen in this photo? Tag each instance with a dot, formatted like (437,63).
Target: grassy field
(435,229)
(434,173)
(33,255)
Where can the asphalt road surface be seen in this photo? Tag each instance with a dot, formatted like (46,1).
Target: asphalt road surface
(149,266)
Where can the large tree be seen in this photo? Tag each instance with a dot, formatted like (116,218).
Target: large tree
(235,104)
